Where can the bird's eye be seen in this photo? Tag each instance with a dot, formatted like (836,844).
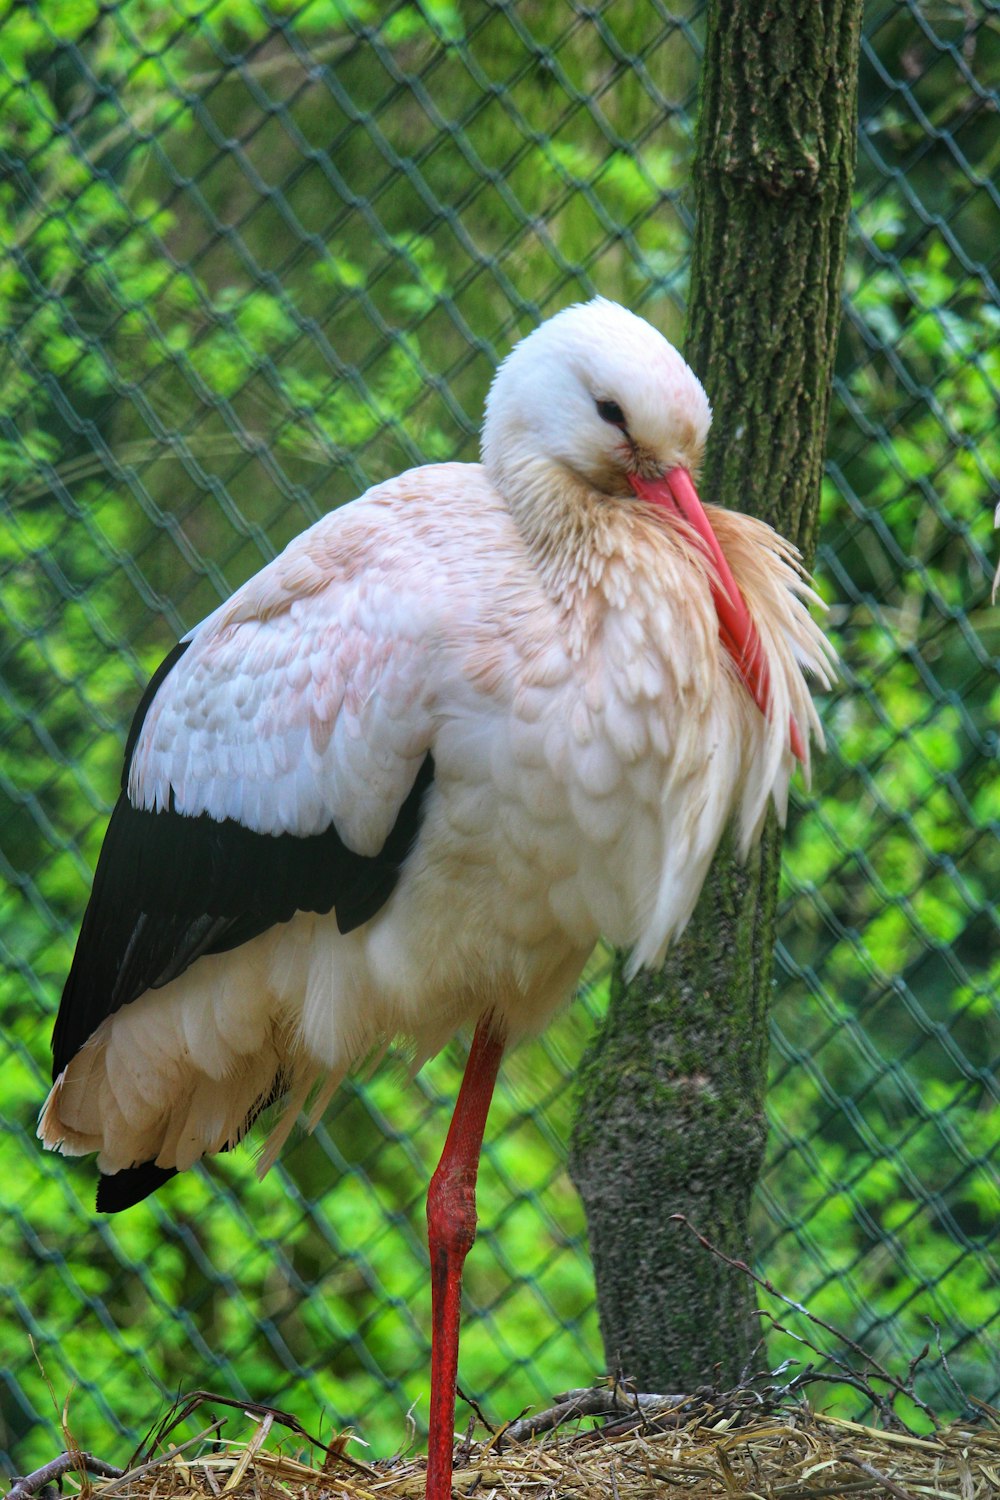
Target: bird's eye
(610,411)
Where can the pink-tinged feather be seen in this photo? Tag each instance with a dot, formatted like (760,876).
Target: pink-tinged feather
(600,674)
(576,663)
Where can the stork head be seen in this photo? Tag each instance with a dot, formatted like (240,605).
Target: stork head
(598,396)
(593,411)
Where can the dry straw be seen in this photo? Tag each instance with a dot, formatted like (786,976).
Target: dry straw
(761,1441)
(730,1446)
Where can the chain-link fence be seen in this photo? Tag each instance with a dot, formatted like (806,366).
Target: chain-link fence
(258,257)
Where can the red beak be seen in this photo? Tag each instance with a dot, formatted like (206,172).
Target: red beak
(676,493)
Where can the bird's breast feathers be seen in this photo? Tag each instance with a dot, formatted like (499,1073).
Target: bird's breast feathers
(412,770)
(604,752)
(498,785)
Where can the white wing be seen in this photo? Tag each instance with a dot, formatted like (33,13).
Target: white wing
(302,701)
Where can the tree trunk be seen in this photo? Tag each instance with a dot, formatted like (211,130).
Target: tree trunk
(671,1114)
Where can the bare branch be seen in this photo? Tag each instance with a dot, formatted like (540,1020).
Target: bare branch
(82,1463)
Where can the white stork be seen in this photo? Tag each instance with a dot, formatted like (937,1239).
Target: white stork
(406,776)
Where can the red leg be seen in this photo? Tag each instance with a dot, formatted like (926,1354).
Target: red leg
(451,1229)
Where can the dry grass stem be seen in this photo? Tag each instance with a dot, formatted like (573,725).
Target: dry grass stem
(727,1448)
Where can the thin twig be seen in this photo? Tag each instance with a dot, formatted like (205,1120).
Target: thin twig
(843,1376)
(465,1446)
(944,1361)
(471,1401)
(873,1364)
(83,1463)
(911,1368)
(184,1407)
(160,1461)
(589,1401)
(896,1490)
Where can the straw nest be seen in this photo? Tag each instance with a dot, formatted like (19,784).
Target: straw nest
(736,1446)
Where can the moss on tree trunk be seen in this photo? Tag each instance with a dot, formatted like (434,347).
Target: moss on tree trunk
(671,1112)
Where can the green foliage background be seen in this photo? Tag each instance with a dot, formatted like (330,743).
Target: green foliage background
(258,259)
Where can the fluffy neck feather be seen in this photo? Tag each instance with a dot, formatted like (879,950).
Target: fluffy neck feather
(571,532)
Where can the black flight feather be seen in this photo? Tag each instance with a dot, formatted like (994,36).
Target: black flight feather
(117,1190)
(169,889)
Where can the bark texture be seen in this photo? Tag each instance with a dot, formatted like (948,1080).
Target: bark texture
(671,1112)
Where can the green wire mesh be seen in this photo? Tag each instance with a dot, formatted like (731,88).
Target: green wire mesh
(258,257)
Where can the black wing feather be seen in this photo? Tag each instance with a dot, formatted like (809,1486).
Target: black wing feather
(117,1190)
(169,889)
